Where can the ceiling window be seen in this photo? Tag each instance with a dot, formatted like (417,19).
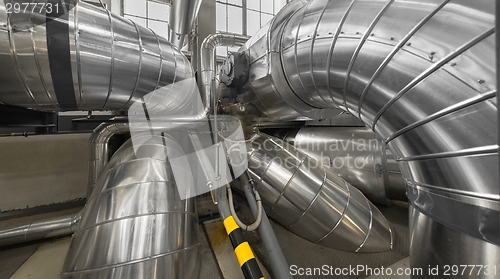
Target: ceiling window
(244,17)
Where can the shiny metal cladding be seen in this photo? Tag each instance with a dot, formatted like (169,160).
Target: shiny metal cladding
(135,223)
(299,193)
(84,59)
(17,232)
(182,19)
(355,154)
(421,74)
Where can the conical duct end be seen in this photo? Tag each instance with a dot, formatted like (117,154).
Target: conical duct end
(315,203)
(380,237)
(362,227)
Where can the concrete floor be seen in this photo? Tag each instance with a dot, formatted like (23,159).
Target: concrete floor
(44,260)
(47,260)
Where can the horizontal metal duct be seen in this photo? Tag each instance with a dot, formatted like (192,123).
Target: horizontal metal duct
(84,59)
(299,193)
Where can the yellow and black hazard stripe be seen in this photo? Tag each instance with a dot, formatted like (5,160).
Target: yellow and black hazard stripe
(242,249)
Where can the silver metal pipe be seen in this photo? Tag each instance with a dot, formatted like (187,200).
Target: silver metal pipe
(99,141)
(277,260)
(84,59)
(183,14)
(207,91)
(99,149)
(299,193)
(418,73)
(248,262)
(209,66)
(138,223)
(20,232)
(267,86)
(354,153)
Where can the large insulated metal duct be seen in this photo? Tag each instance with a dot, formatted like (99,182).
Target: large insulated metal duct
(355,154)
(299,193)
(421,74)
(136,224)
(84,59)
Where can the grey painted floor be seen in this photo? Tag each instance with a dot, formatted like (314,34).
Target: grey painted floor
(44,260)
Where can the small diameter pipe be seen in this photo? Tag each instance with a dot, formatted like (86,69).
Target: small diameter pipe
(22,232)
(279,265)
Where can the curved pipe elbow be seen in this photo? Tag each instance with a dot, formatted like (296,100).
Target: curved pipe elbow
(430,97)
(208,57)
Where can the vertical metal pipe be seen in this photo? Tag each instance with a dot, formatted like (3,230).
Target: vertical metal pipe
(208,63)
(354,153)
(99,149)
(183,14)
(20,232)
(431,97)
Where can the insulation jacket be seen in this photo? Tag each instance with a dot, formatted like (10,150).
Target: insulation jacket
(314,203)
(136,223)
(421,74)
(355,154)
(84,59)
